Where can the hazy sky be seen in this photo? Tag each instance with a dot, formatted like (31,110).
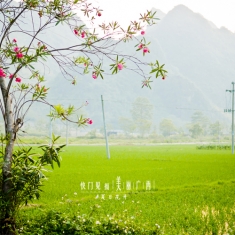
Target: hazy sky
(220,12)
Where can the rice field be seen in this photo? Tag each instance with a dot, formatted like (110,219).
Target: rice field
(177,187)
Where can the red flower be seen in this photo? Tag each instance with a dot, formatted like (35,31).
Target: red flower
(145,50)
(99,13)
(11,76)
(142,32)
(19,55)
(83,34)
(18,79)
(120,66)
(2,73)
(89,121)
(94,75)
(75,31)
(16,49)
(14,40)
(140,46)
(164,77)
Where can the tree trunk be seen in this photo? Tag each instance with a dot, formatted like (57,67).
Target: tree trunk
(8,221)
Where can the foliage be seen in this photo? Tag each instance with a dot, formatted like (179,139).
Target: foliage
(199,124)
(127,124)
(142,115)
(196,130)
(167,127)
(216,128)
(213,147)
(55,223)
(27,175)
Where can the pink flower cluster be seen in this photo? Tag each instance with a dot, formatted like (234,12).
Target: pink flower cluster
(89,121)
(19,54)
(83,34)
(145,49)
(3,75)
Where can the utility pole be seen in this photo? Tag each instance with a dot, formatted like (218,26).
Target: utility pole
(232,110)
(105,133)
(50,129)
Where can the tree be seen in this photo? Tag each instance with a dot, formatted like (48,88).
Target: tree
(216,129)
(142,115)
(199,121)
(24,50)
(167,127)
(127,125)
(196,130)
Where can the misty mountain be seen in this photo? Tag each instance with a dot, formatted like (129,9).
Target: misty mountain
(200,61)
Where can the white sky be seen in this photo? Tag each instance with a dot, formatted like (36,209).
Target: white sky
(220,12)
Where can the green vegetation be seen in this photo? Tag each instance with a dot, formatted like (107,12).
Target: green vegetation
(192,192)
(218,147)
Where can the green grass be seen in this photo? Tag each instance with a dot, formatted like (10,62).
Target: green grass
(192,191)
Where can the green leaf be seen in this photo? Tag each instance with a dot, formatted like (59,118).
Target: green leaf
(31,66)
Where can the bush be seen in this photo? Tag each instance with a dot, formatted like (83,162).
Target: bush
(214,147)
(56,223)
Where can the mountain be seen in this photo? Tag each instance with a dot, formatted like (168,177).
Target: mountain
(200,61)
(159,14)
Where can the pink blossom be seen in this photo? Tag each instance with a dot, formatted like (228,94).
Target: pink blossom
(120,66)
(89,121)
(142,32)
(145,50)
(75,31)
(83,34)
(16,49)
(94,75)
(19,55)
(140,46)
(99,13)
(18,79)
(11,76)
(2,73)
(14,40)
